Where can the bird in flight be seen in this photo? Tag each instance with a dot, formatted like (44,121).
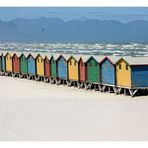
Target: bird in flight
(43,29)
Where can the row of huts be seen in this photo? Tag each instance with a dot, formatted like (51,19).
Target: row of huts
(113,71)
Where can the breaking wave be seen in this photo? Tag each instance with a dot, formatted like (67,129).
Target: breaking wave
(131,49)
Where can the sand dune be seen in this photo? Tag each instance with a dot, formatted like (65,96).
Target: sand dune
(32,110)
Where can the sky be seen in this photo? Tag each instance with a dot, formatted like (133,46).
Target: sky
(123,14)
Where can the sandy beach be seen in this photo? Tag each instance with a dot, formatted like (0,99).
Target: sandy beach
(32,110)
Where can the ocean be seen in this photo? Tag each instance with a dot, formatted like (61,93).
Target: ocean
(129,49)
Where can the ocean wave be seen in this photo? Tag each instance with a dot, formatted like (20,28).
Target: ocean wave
(132,49)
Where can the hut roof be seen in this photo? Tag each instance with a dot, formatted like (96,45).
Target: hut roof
(84,58)
(136,60)
(112,59)
(65,56)
(98,58)
(76,57)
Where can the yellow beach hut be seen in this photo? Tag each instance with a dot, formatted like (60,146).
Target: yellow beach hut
(123,73)
(73,68)
(8,58)
(40,65)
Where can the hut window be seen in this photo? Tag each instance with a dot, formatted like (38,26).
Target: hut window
(70,63)
(75,63)
(95,64)
(82,64)
(10,58)
(120,66)
(111,65)
(38,60)
(90,64)
(7,58)
(126,67)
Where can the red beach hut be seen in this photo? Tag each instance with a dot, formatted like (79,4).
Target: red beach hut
(82,68)
(16,64)
(47,67)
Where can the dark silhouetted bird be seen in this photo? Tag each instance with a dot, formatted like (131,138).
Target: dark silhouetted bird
(43,29)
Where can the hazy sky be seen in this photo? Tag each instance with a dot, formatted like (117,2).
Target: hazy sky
(67,13)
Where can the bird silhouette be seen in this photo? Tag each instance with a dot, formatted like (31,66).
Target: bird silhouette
(43,29)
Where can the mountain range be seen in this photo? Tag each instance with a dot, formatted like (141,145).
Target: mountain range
(56,30)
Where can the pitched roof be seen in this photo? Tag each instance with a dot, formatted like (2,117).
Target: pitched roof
(112,59)
(136,60)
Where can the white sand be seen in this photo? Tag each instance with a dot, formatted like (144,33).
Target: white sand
(32,110)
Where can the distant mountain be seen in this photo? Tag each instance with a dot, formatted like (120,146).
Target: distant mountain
(56,30)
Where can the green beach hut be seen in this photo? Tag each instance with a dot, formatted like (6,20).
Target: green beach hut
(23,63)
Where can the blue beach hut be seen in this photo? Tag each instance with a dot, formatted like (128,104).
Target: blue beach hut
(31,64)
(108,71)
(139,71)
(62,67)
(3,64)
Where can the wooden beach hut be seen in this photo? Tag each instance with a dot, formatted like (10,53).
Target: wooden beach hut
(40,66)
(47,66)
(53,68)
(31,66)
(93,72)
(132,74)
(73,70)
(8,58)
(0,62)
(23,65)
(16,64)
(82,70)
(62,68)
(108,72)
(3,62)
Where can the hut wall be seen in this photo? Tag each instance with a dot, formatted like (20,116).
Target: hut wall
(8,63)
(40,66)
(3,63)
(107,72)
(73,70)
(47,67)
(0,63)
(82,71)
(62,68)
(123,76)
(93,71)
(31,66)
(139,75)
(53,68)
(16,63)
(23,65)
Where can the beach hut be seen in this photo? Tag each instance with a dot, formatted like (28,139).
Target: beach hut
(31,66)
(47,66)
(73,70)
(108,72)
(93,70)
(82,68)
(40,66)
(132,74)
(62,68)
(53,66)
(3,63)
(8,58)
(23,65)
(16,64)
